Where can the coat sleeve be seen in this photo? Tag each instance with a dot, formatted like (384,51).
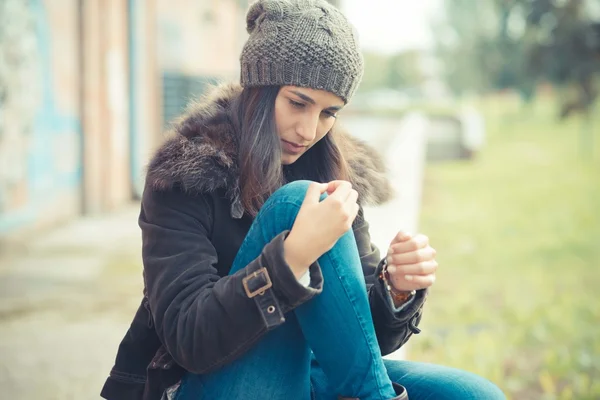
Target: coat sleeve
(203,320)
(393,328)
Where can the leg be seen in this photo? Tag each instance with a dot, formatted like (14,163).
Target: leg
(429,381)
(337,325)
(339,328)
(422,381)
(278,366)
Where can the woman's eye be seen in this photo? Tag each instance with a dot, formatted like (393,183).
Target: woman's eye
(295,104)
(329,114)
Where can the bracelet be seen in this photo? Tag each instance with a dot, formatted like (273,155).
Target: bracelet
(397,296)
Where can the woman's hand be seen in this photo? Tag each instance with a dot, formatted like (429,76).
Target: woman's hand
(319,224)
(411,262)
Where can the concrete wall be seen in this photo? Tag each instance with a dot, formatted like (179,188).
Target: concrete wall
(145,84)
(106,107)
(201,37)
(199,44)
(82,84)
(40,129)
(77,122)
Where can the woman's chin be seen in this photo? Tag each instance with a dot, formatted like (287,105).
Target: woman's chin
(287,159)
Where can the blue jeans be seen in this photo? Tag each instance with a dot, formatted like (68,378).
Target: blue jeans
(327,346)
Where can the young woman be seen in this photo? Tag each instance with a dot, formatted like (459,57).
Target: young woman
(260,278)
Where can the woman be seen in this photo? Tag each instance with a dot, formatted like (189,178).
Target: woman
(260,277)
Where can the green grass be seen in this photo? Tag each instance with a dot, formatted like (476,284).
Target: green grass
(518,237)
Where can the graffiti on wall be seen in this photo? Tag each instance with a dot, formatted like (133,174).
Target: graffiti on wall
(19,98)
(40,139)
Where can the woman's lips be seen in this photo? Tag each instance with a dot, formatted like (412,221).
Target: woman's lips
(292,148)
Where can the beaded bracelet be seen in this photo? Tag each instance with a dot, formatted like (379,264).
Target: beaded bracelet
(399,297)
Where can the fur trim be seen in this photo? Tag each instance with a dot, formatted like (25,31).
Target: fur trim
(201,154)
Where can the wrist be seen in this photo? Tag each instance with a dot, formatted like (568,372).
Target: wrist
(297,264)
(399,297)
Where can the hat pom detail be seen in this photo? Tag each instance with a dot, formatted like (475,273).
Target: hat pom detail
(255,16)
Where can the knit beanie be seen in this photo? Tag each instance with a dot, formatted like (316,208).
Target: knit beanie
(307,43)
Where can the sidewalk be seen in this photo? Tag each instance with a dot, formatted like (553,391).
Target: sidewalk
(66,300)
(67,297)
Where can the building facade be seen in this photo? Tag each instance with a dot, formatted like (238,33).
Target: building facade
(79,107)
(87,88)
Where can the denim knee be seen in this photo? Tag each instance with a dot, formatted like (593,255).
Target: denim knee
(296,189)
(293,192)
(282,206)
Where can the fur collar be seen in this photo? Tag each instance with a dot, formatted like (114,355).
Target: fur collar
(201,155)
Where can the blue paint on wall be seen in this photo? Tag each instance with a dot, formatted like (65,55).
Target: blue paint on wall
(45,181)
(135,136)
(50,124)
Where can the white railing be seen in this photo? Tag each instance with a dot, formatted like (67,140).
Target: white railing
(404,154)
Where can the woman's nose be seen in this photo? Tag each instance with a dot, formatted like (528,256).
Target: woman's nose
(307,129)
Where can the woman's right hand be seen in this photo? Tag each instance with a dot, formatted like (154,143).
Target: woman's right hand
(319,224)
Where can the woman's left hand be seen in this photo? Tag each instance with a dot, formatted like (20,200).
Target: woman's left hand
(411,262)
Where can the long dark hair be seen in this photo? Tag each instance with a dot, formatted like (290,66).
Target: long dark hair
(261,171)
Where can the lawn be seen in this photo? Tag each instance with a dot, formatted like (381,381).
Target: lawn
(517,231)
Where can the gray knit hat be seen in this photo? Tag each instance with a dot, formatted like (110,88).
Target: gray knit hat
(306,43)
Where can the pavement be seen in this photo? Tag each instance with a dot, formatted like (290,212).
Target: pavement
(67,296)
(66,299)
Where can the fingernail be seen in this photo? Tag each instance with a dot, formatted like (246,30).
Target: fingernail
(391,269)
(409,277)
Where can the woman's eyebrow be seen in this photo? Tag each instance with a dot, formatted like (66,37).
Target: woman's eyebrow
(311,101)
(303,97)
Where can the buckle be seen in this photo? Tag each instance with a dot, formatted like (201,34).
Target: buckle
(260,291)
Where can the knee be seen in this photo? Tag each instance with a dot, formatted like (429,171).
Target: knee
(283,205)
(293,191)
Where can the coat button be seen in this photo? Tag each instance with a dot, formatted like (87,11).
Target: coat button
(271,309)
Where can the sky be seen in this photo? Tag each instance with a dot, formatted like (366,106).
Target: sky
(393,25)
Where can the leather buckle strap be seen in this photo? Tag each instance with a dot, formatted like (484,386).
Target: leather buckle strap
(248,282)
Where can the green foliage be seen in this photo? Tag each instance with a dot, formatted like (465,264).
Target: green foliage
(405,70)
(396,71)
(517,44)
(376,71)
(518,236)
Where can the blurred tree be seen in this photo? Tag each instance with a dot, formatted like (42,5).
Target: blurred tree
(395,71)
(518,44)
(463,44)
(405,70)
(567,50)
(482,46)
(377,69)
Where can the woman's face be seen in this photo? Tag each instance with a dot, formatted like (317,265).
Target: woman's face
(303,117)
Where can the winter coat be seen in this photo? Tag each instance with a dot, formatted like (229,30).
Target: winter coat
(194,316)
